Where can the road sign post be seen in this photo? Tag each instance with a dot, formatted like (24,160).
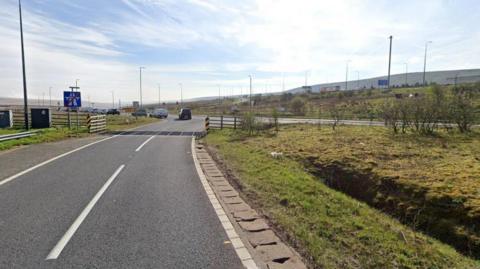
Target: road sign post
(71,100)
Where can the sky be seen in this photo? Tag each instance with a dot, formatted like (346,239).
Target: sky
(211,47)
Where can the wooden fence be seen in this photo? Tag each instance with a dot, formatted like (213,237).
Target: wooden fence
(58,119)
(97,124)
(221,122)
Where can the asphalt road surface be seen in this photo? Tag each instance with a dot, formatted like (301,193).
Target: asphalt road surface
(131,201)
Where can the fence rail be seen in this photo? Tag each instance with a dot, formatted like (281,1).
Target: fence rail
(224,122)
(97,124)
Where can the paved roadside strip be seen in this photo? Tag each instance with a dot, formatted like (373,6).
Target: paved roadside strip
(257,239)
(242,252)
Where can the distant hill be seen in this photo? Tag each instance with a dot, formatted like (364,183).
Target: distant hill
(446,77)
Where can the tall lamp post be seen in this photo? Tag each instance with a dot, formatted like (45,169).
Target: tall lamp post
(50,95)
(113,99)
(141,97)
(25,96)
(406,74)
(358,79)
(250,76)
(389,60)
(181,94)
(425,61)
(159,96)
(346,75)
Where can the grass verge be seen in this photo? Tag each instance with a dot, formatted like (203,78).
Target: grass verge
(43,135)
(329,228)
(120,122)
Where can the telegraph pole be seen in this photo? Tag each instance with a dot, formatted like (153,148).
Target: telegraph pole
(25,96)
(389,61)
(425,62)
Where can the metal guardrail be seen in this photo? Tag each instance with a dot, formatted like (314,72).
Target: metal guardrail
(17,136)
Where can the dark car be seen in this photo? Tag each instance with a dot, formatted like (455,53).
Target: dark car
(185,114)
(140,113)
(113,111)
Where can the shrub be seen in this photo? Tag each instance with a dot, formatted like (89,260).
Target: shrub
(298,106)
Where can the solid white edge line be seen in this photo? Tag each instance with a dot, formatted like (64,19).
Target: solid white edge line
(55,252)
(242,252)
(144,143)
(8,179)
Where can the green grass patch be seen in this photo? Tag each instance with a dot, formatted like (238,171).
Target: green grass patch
(330,228)
(43,135)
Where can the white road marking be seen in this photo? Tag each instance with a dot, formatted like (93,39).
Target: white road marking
(8,179)
(144,143)
(240,249)
(55,252)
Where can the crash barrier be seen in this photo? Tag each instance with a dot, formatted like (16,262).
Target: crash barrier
(57,119)
(16,136)
(221,122)
(97,123)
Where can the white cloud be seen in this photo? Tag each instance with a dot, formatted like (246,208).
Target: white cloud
(218,42)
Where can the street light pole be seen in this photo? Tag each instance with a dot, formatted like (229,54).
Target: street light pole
(389,61)
(358,79)
(25,96)
(346,76)
(406,74)
(250,76)
(181,94)
(141,97)
(50,95)
(159,96)
(113,99)
(425,62)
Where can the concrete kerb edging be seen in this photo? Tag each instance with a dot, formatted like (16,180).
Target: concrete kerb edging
(265,247)
(242,252)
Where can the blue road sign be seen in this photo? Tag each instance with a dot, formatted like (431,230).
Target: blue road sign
(72,99)
(383,82)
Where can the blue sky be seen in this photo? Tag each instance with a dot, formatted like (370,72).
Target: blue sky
(204,44)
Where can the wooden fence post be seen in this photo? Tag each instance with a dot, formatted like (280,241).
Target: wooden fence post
(221,122)
(234,123)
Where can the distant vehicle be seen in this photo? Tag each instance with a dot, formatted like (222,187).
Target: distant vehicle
(113,111)
(160,113)
(185,114)
(140,113)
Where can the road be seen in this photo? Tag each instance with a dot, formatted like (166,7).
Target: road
(129,201)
